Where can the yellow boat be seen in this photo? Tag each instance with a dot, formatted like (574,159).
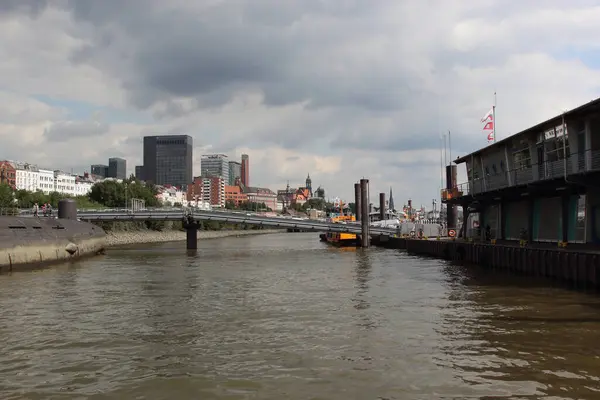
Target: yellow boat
(339,238)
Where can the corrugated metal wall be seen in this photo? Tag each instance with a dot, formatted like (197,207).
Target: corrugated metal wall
(550,219)
(516,218)
(490,217)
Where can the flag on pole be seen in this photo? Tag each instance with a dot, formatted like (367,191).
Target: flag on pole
(489,125)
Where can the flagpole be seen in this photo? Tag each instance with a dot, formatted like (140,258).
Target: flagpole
(441,163)
(494,116)
(445,153)
(449,146)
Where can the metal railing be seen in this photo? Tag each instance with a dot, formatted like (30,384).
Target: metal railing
(576,163)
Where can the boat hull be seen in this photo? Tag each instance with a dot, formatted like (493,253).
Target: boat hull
(339,239)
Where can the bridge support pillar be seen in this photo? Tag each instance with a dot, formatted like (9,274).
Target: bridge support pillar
(191,230)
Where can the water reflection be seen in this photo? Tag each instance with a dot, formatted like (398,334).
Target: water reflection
(286,317)
(362,276)
(515,337)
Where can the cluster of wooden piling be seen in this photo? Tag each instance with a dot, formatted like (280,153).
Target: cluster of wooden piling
(577,268)
(362,205)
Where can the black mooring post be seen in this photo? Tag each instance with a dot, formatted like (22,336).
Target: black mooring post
(191,230)
(357,202)
(192,237)
(364,218)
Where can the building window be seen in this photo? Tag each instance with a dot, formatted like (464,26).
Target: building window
(521,155)
(557,149)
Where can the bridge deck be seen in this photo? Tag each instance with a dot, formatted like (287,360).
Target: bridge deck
(237,218)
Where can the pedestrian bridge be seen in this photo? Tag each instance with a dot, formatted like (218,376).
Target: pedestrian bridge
(224,216)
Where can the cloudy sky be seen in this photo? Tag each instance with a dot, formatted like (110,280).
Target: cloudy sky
(342,89)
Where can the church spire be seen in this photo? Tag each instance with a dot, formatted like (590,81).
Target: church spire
(309,184)
(391,201)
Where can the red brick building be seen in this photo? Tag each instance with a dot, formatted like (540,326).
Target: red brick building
(235,194)
(7,173)
(245,170)
(210,189)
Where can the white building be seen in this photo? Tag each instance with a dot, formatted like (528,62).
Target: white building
(83,187)
(171,196)
(46,181)
(64,183)
(26,176)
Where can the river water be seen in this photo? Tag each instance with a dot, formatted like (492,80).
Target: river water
(286,317)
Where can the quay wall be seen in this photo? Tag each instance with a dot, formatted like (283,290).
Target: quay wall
(576,268)
(41,241)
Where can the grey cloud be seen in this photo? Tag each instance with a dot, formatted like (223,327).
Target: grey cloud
(29,7)
(211,53)
(63,131)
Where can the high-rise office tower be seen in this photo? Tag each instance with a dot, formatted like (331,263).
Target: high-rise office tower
(117,168)
(235,171)
(245,170)
(139,172)
(168,160)
(215,165)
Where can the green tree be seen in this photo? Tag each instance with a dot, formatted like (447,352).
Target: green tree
(230,205)
(113,194)
(352,207)
(7,199)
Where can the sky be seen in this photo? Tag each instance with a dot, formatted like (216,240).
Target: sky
(340,89)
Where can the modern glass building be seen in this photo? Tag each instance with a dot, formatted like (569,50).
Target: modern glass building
(117,168)
(215,165)
(168,160)
(235,172)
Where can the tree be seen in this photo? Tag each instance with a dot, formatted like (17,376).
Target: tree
(113,194)
(7,199)
(352,207)
(314,203)
(230,205)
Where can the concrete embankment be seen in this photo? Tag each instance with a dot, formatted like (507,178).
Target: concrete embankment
(40,241)
(121,238)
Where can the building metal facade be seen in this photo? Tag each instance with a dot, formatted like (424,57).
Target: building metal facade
(139,172)
(215,165)
(168,160)
(100,170)
(117,168)
(235,172)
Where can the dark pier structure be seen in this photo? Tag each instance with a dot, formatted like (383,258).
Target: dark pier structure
(364,211)
(531,203)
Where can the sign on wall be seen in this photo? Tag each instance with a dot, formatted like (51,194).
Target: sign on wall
(555,132)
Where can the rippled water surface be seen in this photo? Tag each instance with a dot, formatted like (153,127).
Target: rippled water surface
(285,317)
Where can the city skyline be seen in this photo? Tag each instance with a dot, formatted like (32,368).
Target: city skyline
(337,99)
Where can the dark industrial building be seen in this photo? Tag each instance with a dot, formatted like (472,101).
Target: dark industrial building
(100,170)
(117,168)
(139,172)
(168,160)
